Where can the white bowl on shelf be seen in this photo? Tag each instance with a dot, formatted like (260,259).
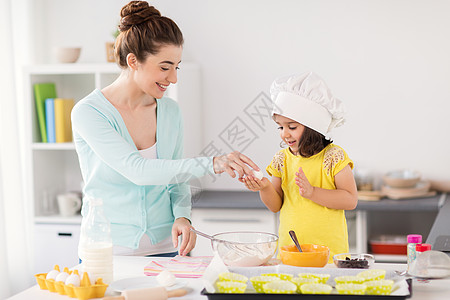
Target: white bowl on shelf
(67,54)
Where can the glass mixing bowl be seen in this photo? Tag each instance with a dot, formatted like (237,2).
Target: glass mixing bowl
(245,248)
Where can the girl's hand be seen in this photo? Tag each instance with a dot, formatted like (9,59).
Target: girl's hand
(305,188)
(234,162)
(254,184)
(182,227)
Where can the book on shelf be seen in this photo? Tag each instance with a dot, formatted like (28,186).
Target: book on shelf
(50,120)
(63,125)
(43,91)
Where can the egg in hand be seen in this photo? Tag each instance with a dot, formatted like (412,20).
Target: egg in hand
(258,174)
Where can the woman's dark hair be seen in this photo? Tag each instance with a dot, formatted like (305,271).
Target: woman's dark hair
(312,142)
(143,31)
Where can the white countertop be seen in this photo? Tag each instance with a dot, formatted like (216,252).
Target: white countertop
(129,266)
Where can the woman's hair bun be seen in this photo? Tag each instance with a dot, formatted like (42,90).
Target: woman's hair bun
(135,13)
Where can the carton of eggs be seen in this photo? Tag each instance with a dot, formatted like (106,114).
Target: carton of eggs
(70,283)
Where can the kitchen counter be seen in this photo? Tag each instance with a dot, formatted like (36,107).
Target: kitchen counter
(227,199)
(251,200)
(433,203)
(129,267)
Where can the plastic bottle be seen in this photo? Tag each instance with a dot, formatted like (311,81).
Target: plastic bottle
(413,240)
(95,246)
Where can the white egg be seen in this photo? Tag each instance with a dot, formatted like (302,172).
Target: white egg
(166,278)
(62,277)
(52,274)
(73,279)
(258,174)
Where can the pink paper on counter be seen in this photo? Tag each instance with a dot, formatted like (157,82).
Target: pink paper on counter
(180,266)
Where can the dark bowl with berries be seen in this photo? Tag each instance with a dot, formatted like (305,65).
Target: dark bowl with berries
(353,260)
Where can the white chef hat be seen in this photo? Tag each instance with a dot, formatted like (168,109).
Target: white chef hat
(305,98)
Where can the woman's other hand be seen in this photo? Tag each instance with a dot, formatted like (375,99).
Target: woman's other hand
(182,227)
(234,162)
(305,188)
(254,184)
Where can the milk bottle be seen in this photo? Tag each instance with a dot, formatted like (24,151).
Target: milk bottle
(95,246)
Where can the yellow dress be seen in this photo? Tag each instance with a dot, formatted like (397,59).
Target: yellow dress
(313,223)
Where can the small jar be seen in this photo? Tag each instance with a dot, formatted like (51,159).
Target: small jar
(413,240)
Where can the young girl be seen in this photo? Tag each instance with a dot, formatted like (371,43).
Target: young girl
(312,180)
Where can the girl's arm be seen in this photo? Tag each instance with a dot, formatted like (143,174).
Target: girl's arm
(270,193)
(345,196)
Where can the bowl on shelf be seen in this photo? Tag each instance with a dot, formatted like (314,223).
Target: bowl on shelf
(401,179)
(67,54)
(353,260)
(311,256)
(245,248)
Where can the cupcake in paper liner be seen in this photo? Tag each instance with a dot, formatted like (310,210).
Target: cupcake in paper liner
(279,287)
(298,281)
(351,288)
(259,281)
(316,288)
(231,287)
(379,287)
(323,278)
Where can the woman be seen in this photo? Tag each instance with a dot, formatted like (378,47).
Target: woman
(129,141)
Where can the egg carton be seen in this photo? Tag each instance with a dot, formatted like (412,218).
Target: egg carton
(86,290)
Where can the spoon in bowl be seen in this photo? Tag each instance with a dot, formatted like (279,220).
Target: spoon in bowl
(294,238)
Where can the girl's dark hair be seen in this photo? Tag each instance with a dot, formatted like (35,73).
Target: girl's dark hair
(312,142)
(143,31)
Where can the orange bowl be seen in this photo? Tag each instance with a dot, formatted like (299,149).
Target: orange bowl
(312,255)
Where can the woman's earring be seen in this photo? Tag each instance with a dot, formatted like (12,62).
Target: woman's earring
(283,144)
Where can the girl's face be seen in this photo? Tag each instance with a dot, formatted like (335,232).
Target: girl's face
(290,132)
(157,72)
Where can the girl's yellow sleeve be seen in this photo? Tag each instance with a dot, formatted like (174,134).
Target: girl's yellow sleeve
(338,159)
(275,168)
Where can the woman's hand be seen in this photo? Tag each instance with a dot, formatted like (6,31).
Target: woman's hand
(305,188)
(254,184)
(234,162)
(182,227)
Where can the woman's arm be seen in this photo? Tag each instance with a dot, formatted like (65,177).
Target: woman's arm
(270,193)
(345,195)
(95,130)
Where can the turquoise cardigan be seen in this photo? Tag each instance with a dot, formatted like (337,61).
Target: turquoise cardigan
(140,196)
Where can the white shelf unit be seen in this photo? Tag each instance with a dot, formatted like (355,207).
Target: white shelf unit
(52,168)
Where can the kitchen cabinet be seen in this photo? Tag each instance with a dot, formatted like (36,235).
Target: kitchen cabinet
(52,168)
(212,221)
(55,244)
(395,217)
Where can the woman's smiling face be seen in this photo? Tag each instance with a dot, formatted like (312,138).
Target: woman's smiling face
(157,72)
(290,132)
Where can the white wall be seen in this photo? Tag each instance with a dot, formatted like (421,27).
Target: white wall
(388,60)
